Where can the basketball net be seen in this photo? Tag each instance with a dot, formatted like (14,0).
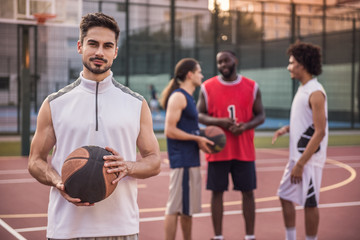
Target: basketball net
(42,17)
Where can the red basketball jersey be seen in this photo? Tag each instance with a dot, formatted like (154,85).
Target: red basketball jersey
(235,100)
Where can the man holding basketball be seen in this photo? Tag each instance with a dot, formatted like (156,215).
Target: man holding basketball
(232,102)
(183,142)
(308,141)
(95,110)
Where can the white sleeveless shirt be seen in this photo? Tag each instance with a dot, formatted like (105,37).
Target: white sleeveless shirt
(102,114)
(301,124)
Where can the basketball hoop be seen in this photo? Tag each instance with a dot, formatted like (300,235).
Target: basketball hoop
(42,17)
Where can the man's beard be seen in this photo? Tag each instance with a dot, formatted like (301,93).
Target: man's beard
(231,71)
(97,70)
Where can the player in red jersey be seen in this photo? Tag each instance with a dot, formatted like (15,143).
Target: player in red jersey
(232,102)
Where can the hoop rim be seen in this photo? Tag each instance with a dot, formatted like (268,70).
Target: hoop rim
(42,17)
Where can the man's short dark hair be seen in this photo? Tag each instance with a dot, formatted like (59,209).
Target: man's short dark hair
(98,20)
(308,55)
(229,51)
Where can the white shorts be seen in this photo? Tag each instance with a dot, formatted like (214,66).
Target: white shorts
(184,191)
(305,192)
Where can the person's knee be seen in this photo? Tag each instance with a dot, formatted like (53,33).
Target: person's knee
(217,194)
(248,195)
(311,210)
(285,202)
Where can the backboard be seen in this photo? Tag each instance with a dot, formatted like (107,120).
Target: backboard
(63,12)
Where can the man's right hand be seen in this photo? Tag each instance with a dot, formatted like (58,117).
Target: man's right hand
(280,132)
(76,201)
(226,123)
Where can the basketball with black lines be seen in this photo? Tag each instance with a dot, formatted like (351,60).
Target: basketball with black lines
(84,175)
(215,134)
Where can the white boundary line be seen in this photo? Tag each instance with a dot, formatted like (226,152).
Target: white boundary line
(208,214)
(15,232)
(11,230)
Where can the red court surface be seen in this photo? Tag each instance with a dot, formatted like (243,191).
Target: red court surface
(23,201)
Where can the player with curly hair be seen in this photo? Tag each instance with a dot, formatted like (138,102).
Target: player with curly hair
(308,131)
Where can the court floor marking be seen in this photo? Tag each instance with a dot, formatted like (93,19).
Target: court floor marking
(272,198)
(232,203)
(226,213)
(11,230)
(16,234)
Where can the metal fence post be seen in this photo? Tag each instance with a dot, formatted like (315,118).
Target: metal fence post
(358,83)
(172,38)
(324,33)
(292,40)
(216,47)
(262,41)
(238,38)
(196,38)
(353,56)
(25,92)
(127,43)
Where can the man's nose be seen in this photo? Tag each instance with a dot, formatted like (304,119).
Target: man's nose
(100,51)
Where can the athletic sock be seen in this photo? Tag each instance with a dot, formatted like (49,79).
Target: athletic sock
(291,233)
(218,237)
(311,237)
(249,237)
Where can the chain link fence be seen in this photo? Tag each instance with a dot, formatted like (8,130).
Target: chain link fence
(155,36)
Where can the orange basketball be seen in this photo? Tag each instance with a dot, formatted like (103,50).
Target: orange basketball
(85,176)
(215,134)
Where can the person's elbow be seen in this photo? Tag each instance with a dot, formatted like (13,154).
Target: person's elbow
(31,166)
(168,132)
(261,118)
(321,133)
(155,167)
(202,118)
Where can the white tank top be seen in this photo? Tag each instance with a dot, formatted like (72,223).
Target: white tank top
(102,114)
(301,124)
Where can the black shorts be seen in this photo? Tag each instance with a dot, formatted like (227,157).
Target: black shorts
(243,175)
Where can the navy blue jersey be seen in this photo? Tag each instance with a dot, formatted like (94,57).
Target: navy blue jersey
(185,153)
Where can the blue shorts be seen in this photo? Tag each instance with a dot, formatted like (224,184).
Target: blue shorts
(243,175)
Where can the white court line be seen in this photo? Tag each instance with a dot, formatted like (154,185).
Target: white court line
(346,158)
(267,169)
(14,171)
(203,172)
(33,229)
(208,214)
(21,180)
(260,210)
(11,230)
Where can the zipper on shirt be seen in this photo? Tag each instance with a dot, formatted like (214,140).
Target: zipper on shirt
(96,107)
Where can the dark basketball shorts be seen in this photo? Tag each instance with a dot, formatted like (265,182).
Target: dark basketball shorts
(243,175)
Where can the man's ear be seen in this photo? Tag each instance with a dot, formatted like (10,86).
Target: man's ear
(236,61)
(79,47)
(189,74)
(116,52)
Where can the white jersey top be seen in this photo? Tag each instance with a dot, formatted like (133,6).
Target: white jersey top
(302,125)
(102,114)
